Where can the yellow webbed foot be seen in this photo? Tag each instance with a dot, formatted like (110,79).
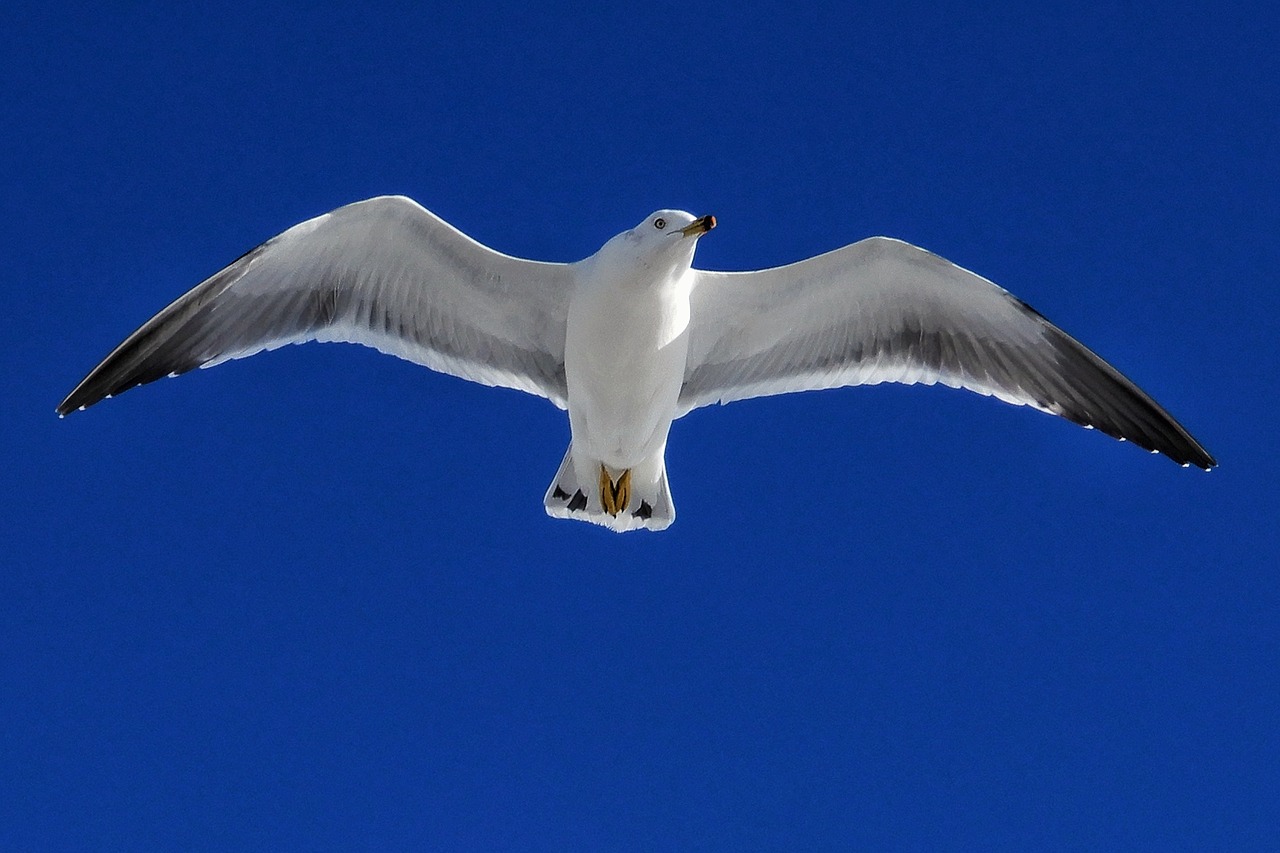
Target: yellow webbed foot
(614,496)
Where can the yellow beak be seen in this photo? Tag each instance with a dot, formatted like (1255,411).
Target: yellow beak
(699,226)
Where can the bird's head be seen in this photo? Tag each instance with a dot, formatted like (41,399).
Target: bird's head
(664,238)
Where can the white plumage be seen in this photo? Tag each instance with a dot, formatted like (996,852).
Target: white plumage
(632,337)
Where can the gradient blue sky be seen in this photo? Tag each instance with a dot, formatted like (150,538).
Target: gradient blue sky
(311,600)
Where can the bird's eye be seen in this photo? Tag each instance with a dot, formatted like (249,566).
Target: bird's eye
(659,223)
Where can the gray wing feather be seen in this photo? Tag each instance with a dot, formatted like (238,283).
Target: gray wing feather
(385,273)
(881,310)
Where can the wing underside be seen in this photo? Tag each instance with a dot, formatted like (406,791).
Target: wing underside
(884,311)
(384,273)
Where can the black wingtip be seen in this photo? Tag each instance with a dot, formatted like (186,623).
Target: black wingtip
(82,397)
(1187,451)
(1204,462)
(68,405)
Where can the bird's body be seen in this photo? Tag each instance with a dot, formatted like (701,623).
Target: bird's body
(626,346)
(632,337)
(626,343)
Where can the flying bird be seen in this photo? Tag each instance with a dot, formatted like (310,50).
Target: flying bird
(632,337)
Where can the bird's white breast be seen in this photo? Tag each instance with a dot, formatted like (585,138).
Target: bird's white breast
(626,346)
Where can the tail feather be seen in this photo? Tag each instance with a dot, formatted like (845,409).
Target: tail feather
(590,498)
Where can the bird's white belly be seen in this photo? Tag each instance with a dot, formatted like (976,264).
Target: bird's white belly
(624,363)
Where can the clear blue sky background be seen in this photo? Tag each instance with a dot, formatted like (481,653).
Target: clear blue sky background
(311,600)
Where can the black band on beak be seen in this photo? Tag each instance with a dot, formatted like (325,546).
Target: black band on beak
(699,226)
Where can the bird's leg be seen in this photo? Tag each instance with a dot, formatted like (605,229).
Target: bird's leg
(614,497)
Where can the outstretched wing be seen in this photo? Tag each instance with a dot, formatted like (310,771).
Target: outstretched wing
(385,273)
(882,310)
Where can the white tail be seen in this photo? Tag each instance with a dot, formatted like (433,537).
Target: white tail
(635,499)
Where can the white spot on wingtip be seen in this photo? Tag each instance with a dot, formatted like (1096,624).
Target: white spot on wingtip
(1088,426)
(1155,451)
(1122,438)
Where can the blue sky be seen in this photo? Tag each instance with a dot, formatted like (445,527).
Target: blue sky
(311,600)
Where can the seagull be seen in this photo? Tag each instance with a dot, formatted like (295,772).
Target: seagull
(633,337)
